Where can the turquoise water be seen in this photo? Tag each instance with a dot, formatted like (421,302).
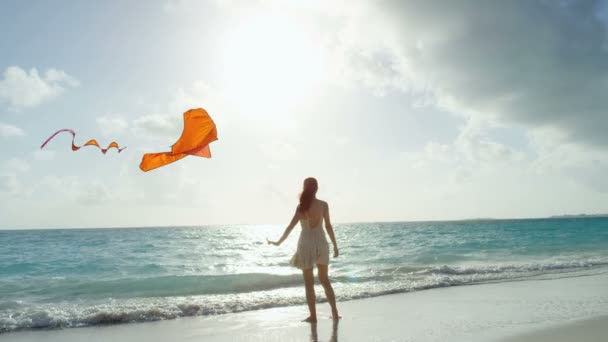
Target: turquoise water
(69,278)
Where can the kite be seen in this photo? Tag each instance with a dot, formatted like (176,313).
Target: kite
(91,142)
(199,131)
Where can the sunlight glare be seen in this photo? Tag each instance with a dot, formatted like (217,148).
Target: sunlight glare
(272,63)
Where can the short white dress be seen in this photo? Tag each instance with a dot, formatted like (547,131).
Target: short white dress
(312,246)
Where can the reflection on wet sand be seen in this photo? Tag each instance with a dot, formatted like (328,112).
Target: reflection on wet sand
(334,332)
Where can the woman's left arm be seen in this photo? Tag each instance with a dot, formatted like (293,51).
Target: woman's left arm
(294,221)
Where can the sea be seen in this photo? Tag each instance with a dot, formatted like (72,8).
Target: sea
(64,278)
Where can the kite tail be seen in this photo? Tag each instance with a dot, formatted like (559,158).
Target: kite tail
(91,142)
(113,144)
(59,131)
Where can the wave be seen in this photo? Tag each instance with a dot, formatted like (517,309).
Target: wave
(169,297)
(15,316)
(547,266)
(162,286)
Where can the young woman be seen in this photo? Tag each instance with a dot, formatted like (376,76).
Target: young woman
(312,245)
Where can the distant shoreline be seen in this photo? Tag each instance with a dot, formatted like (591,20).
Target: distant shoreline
(579,216)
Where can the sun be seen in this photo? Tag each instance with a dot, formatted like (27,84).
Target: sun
(272,62)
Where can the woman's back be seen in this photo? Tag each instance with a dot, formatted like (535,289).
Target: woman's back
(312,245)
(313,217)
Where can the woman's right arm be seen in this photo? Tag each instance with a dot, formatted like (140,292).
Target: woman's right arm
(294,221)
(330,229)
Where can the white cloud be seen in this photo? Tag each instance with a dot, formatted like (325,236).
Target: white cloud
(158,125)
(277,150)
(578,163)
(93,193)
(471,147)
(170,125)
(9,184)
(172,5)
(78,191)
(473,144)
(7,130)
(44,154)
(20,88)
(537,64)
(111,125)
(195,96)
(342,140)
(18,165)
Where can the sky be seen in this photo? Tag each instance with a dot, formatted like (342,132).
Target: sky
(403,110)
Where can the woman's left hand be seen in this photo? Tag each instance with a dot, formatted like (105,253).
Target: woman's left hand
(272,242)
(336,253)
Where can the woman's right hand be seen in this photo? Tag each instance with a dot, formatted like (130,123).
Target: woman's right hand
(272,242)
(336,253)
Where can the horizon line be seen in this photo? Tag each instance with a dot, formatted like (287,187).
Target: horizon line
(561,216)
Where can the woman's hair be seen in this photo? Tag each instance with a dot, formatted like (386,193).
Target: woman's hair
(308,194)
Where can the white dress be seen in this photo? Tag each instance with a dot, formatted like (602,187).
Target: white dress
(312,246)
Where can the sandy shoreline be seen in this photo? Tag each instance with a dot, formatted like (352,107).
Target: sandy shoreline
(588,330)
(535,310)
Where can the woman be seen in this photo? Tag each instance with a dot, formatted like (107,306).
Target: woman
(312,245)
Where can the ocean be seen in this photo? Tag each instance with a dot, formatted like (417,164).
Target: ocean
(64,278)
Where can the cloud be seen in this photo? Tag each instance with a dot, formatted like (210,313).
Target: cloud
(174,5)
(93,193)
(44,154)
(194,96)
(170,124)
(21,89)
(155,125)
(111,125)
(274,193)
(9,184)
(537,64)
(277,150)
(470,161)
(76,190)
(582,165)
(342,140)
(7,130)
(18,165)
(471,147)
(475,145)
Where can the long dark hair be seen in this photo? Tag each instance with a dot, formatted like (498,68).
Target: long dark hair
(309,192)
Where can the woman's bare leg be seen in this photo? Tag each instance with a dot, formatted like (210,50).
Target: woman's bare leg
(329,291)
(309,285)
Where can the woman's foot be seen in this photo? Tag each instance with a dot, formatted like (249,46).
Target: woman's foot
(335,316)
(310,319)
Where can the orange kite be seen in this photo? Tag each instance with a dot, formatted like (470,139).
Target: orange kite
(199,131)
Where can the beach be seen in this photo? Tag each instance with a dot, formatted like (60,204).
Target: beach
(566,309)
(590,330)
